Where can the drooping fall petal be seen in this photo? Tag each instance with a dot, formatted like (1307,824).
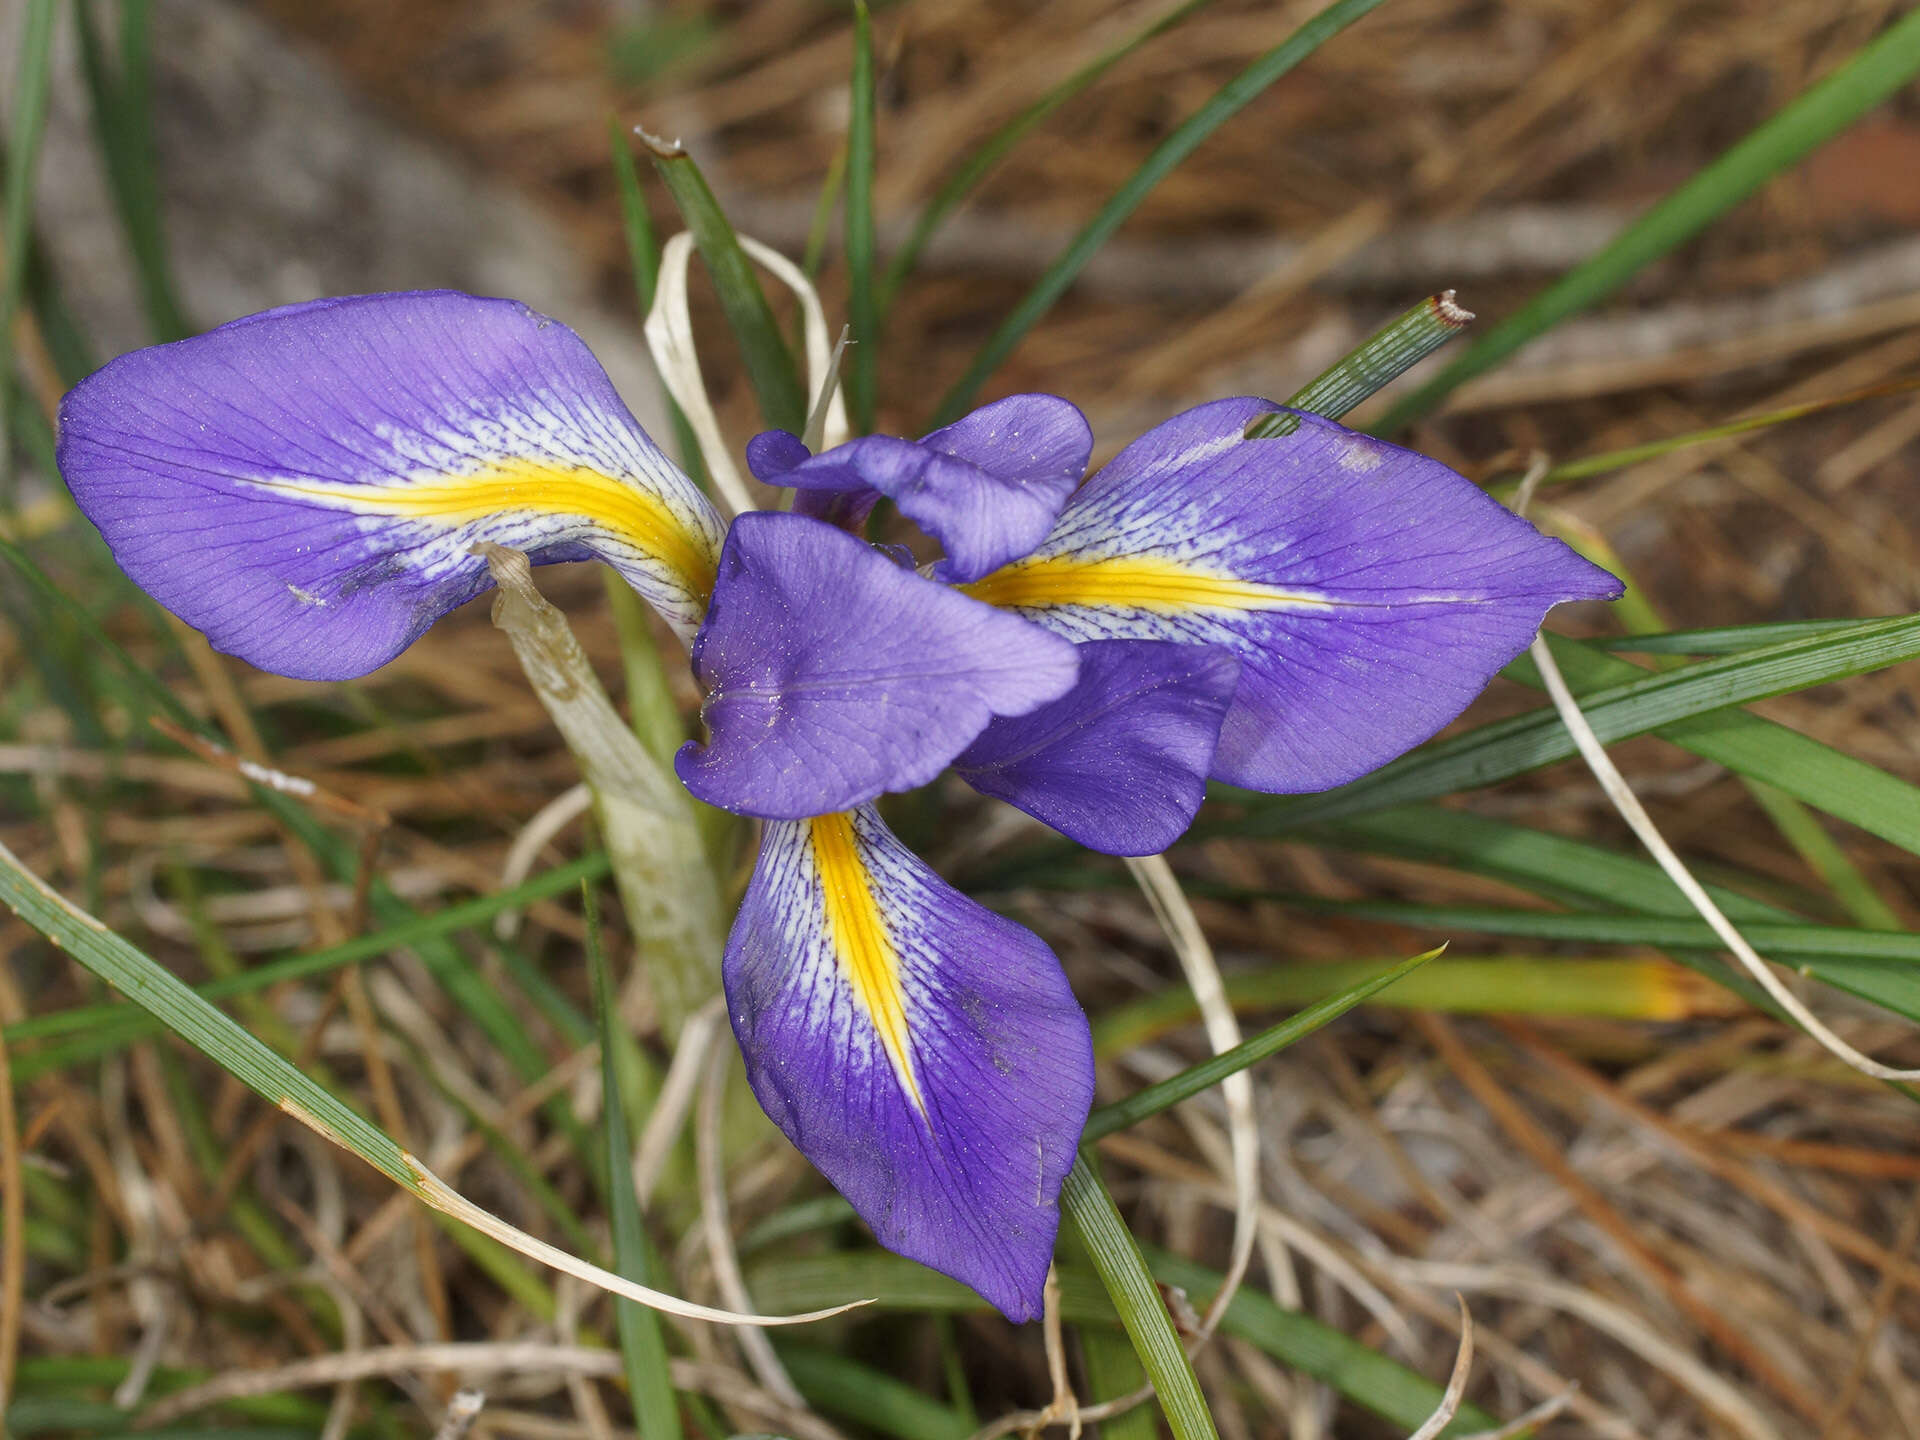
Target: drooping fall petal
(924,1053)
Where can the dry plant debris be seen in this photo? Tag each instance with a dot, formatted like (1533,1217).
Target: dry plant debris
(1696,1227)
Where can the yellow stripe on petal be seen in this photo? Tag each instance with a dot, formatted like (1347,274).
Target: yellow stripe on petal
(1131,582)
(533,487)
(857,928)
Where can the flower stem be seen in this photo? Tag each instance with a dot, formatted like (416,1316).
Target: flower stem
(652,833)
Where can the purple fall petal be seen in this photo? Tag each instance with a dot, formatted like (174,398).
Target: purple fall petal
(923,1052)
(1119,763)
(1370,593)
(834,675)
(306,485)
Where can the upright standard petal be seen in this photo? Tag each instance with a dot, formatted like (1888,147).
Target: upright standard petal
(987,487)
(1369,592)
(1119,763)
(834,674)
(923,1052)
(307,485)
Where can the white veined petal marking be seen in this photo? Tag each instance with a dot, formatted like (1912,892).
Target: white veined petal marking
(862,943)
(532,489)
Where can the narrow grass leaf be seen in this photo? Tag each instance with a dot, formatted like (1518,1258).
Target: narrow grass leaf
(1512,747)
(1124,1272)
(1613,460)
(1873,73)
(1846,788)
(121,98)
(1114,1372)
(1731,639)
(26,125)
(863,300)
(1210,1072)
(643,259)
(157,990)
(642,1347)
(1379,360)
(468,915)
(1876,965)
(1060,275)
(1574,872)
(990,152)
(1803,830)
(1391,1391)
(1364,1376)
(836,1385)
(770,367)
(1498,985)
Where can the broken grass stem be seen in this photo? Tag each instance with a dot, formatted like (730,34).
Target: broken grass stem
(1379,360)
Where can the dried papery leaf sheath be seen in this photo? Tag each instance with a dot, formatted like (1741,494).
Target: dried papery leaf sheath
(646,820)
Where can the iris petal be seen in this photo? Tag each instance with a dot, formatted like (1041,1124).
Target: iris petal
(834,675)
(987,487)
(923,1052)
(1119,763)
(306,485)
(1369,592)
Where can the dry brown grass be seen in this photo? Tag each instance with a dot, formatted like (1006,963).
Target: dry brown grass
(1703,1225)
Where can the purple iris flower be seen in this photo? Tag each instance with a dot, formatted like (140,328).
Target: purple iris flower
(307,486)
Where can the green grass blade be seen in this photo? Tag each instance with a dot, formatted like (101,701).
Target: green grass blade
(824,204)
(1227,102)
(467,915)
(1730,639)
(1843,787)
(1874,72)
(1621,989)
(26,125)
(1378,361)
(770,367)
(1612,460)
(1877,965)
(1802,829)
(1210,1072)
(1363,1376)
(996,147)
(642,1346)
(1130,1286)
(643,259)
(123,129)
(157,991)
(863,301)
(1512,747)
(838,1386)
(1367,1377)
(1809,946)
(1114,1372)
